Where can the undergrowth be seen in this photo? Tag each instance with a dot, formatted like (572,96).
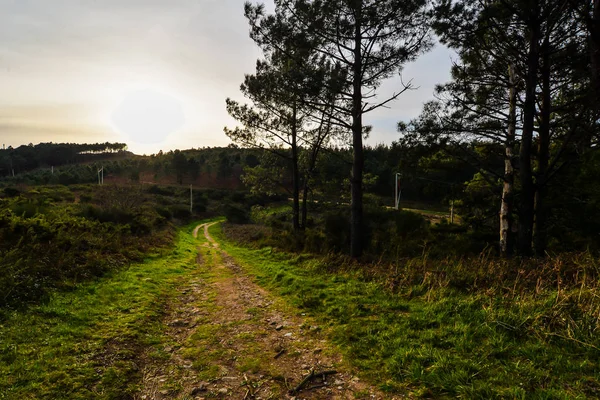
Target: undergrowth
(386,233)
(56,237)
(474,327)
(91,343)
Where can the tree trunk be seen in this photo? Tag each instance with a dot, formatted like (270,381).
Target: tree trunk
(539,235)
(356,219)
(295,172)
(308,175)
(594,40)
(526,211)
(506,240)
(304,204)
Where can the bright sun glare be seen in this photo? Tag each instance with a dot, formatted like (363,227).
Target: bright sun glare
(147,116)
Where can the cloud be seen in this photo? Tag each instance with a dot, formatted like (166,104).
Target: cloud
(57,122)
(64,63)
(18,133)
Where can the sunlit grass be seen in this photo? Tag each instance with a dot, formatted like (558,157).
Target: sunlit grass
(436,341)
(87,344)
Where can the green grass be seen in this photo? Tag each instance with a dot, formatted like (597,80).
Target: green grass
(263,213)
(93,342)
(441,342)
(424,207)
(428,212)
(89,343)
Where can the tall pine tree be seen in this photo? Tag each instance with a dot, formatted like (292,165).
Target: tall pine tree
(372,40)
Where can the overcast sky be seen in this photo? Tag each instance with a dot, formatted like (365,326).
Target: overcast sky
(68,67)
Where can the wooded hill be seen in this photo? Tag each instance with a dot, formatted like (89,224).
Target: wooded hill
(27,158)
(432,179)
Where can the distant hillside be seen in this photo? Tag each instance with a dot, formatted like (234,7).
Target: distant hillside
(429,177)
(48,163)
(23,159)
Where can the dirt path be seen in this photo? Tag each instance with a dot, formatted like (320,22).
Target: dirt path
(229,338)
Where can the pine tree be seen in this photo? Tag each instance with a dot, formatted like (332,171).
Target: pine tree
(519,65)
(284,92)
(372,40)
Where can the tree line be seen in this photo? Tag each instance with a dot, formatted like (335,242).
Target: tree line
(29,157)
(433,178)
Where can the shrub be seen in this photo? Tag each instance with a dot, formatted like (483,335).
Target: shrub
(163,191)
(27,209)
(200,203)
(181,212)
(11,192)
(314,241)
(336,229)
(238,197)
(164,212)
(216,194)
(236,214)
(408,223)
(111,214)
(47,248)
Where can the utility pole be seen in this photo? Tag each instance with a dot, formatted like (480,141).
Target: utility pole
(398,191)
(101,176)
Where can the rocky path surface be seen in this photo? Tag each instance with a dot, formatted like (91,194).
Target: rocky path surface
(229,338)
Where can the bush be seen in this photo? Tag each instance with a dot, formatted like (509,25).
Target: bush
(46,248)
(55,193)
(408,223)
(383,230)
(236,214)
(238,197)
(181,212)
(27,209)
(216,194)
(112,214)
(336,229)
(314,241)
(163,191)
(11,192)
(200,203)
(164,212)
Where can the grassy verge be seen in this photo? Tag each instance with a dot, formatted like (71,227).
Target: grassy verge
(441,342)
(89,343)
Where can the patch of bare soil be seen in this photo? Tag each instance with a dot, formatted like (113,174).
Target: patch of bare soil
(246,345)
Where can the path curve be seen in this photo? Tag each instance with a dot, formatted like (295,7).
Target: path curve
(244,343)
